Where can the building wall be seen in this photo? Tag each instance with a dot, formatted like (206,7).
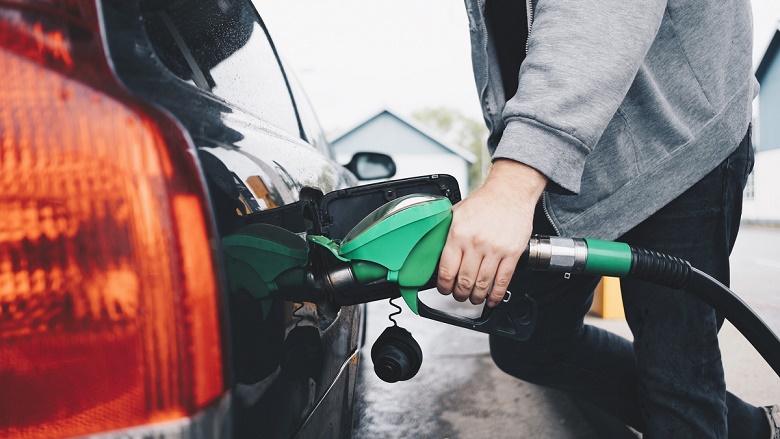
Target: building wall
(769,109)
(387,135)
(762,196)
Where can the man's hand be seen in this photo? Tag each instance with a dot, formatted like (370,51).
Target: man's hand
(489,232)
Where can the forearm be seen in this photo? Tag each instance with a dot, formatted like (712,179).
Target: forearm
(518,178)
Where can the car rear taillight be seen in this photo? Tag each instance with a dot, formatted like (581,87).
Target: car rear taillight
(109,307)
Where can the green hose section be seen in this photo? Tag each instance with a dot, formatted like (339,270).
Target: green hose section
(607,258)
(294,278)
(367,272)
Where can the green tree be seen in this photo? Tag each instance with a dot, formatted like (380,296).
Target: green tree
(462,131)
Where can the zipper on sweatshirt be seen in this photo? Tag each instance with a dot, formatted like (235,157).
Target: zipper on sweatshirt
(545,197)
(483,26)
(529,13)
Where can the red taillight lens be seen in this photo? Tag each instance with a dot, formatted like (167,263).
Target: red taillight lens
(108,299)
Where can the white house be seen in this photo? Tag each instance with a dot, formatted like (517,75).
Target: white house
(762,195)
(415,150)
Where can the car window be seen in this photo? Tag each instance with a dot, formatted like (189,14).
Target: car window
(312,130)
(222,46)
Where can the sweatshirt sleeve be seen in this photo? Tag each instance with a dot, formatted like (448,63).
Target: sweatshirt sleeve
(582,58)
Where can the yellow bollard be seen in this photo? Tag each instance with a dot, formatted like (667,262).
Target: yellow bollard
(607,301)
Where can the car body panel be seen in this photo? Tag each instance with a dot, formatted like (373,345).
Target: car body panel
(251,165)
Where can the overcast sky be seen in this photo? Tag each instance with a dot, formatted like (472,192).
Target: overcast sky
(356,57)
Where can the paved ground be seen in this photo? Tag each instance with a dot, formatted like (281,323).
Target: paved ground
(459,393)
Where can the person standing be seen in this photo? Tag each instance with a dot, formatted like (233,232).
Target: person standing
(613,120)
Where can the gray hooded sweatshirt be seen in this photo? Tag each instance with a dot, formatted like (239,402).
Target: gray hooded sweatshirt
(622,104)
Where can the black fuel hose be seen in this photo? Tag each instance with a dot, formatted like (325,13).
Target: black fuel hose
(606,258)
(670,271)
(736,311)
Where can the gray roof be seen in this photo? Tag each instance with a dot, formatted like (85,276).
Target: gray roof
(769,55)
(423,131)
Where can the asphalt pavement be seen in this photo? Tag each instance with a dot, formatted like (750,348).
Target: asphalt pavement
(460,394)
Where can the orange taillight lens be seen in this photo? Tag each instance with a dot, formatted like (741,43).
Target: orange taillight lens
(109,316)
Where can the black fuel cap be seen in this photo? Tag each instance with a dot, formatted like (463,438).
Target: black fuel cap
(396,355)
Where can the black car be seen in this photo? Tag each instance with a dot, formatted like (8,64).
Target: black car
(134,136)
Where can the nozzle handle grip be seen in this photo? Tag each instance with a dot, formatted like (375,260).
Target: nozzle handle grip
(514,317)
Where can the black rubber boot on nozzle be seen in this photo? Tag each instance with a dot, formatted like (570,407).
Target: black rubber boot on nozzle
(396,355)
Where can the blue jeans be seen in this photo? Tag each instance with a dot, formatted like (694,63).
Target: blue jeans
(669,382)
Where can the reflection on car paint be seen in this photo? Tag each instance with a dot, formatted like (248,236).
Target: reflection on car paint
(261,191)
(245,196)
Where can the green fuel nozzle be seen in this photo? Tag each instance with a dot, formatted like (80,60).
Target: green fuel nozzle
(405,237)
